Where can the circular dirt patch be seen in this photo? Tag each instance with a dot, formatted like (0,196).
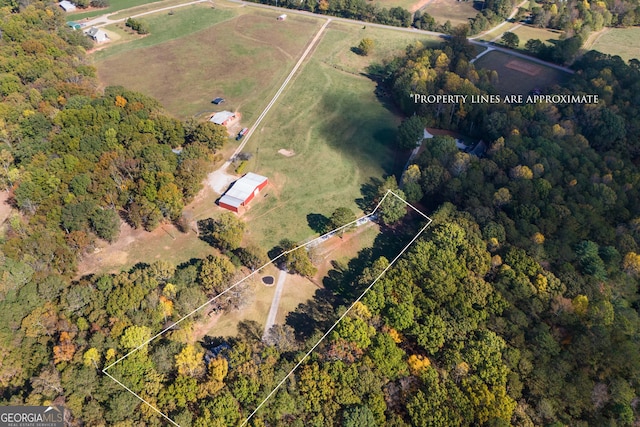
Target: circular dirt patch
(268,280)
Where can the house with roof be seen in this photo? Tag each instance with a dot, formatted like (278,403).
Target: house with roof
(243,191)
(223,118)
(74,25)
(97,35)
(67,6)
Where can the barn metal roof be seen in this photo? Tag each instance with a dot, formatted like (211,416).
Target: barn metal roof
(242,189)
(221,117)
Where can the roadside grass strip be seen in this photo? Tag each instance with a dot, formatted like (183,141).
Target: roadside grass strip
(367,217)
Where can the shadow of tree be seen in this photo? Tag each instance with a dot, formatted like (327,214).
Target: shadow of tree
(369,192)
(205,231)
(318,223)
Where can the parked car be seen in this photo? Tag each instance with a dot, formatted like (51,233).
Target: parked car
(242,133)
(218,101)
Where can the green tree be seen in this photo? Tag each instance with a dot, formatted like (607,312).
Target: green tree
(135,336)
(387,356)
(393,208)
(340,217)
(106,224)
(510,39)
(365,47)
(190,362)
(252,256)
(295,260)
(215,273)
(411,132)
(358,416)
(227,231)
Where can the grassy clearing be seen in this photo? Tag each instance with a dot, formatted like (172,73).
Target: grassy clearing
(165,27)
(114,6)
(138,246)
(340,132)
(342,249)
(457,12)
(340,38)
(624,42)
(341,136)
(509,26)
(526,32)
(243,59)
(257,308)
(517,82)
(148,7)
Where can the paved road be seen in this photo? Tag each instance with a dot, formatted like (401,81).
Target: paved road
(275,303)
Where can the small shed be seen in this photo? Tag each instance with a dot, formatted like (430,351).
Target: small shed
(243,191)
(223,118)
(282,17)
(97,35)
(67,6)
(74,25)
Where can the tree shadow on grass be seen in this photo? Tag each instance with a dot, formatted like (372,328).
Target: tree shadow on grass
(369,192)
(316,314)
(205,231)
(318,223)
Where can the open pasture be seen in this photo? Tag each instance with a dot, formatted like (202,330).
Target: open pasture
(624,42)
(243,59)
(456,12)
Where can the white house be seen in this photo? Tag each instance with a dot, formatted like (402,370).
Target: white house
(97,35)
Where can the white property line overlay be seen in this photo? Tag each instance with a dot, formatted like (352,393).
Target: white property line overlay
(429,220)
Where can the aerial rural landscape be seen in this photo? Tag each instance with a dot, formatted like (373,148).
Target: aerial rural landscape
(319,213)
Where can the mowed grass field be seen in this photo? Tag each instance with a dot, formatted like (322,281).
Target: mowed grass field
(242,56)
(511,81)
(624,42)
(340,133)
(114,6)
(527,32)
(339,39)
(524,33)
(457,12)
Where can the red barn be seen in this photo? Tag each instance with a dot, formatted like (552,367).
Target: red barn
(243,191)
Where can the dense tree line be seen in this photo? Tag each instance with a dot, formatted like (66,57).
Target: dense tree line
(554,199)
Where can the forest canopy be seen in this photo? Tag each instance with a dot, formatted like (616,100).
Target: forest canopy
(519,305)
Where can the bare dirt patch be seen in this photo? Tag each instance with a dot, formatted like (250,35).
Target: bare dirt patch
(286,153)
(137,245)
(342,248)
(219,180)
(201,329)
(5,208)
(524,67)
